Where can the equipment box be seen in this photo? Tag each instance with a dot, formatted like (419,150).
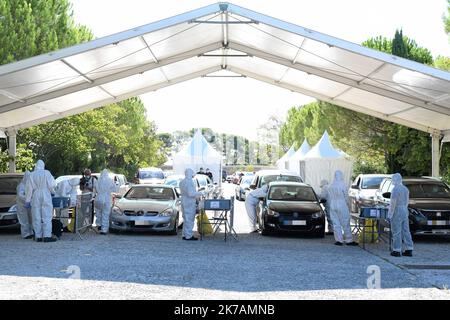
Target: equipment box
(60,202)
(374,212)
(218,204)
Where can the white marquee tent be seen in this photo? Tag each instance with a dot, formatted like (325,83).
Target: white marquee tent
(294,161)
(224,36)
(283,162)
(322,161)
(198,153)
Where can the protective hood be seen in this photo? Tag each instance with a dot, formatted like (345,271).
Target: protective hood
(104,176)
(74,182)
(189,173)
(40,165)
(323,183)
(338,176)
(397,179)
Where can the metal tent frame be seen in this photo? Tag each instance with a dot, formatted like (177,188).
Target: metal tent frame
(217,37)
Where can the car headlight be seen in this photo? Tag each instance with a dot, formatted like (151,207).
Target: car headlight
(13,208)
(273,213)
(317,215)
(117,211)
(166,213)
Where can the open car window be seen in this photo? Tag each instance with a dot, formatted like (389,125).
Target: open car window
(292,193)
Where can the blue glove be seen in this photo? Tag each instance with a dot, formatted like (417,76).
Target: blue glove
(27,205)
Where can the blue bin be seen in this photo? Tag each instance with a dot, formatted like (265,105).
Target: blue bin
(374,212)
(60,202)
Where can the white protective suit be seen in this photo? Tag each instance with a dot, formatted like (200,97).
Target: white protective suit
(252,201)
(339,212)
(398,214)
(39,192)
(24,214)
(189,195)
(324,195)
(103,200)
(74,183)
(63,189)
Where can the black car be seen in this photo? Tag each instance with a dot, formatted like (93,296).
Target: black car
(429,204)
(292,207)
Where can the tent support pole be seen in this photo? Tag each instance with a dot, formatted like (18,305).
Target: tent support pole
(12,135)
(435,138)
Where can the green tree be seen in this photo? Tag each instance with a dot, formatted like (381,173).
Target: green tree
(378,146)
(446,19)
(117,136)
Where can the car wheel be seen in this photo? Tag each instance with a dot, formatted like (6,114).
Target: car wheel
(174,230)
(319,234)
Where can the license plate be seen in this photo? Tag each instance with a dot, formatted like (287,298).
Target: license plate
(438,223)
(142,223)
(296,222)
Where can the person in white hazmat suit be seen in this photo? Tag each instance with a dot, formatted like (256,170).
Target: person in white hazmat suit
(399,217)
(24,214)
(103,189)
(38,194)
(251,203)
(324,195)
(339,212)
(63,189)
(189,196)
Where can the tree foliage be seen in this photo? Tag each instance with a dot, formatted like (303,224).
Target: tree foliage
(117,136)
(378,145)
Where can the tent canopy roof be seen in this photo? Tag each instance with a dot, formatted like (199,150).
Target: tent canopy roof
(217,37)
(287,155)
(325,150)
(302,151)
(198,149)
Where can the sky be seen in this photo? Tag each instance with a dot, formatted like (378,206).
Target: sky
(240,105)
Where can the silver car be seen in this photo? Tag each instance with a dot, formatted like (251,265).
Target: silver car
(148,208)
(8,209)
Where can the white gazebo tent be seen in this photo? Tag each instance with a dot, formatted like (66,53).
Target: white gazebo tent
(283,162)
(322,161)
(294,161)
(218,37)
(198,153)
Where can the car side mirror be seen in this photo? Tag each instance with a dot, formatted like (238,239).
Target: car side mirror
(252,186)
(355,186)
(201,189)
(118,196)
(387,195)
(323,201)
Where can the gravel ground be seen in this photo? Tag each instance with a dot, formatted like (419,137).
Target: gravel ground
(152,266)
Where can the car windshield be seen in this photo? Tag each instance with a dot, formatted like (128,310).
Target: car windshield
(202,180)
(174,182)
(151,175)
(428,190)
(247,180)
(9,185)
(292,193)
(269,179)
(150,193)
(372,182)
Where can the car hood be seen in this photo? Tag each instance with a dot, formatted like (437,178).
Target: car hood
(430,204)
(367,193)
(294,206)
(149,205)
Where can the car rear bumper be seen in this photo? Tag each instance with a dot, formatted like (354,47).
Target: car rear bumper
(127,223)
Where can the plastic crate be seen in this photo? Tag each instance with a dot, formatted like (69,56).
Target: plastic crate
(218,204)
(60,202)
(374,212)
